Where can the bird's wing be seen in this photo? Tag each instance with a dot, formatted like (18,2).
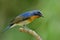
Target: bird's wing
(17,19)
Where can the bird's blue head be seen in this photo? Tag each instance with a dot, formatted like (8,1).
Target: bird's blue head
(36,13)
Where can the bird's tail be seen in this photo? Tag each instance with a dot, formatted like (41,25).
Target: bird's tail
(7,28)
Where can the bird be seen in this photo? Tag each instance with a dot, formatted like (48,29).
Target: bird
(24,19)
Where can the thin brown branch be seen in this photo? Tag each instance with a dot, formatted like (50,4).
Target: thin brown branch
(29,31)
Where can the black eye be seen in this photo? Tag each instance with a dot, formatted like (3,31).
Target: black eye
(38,12)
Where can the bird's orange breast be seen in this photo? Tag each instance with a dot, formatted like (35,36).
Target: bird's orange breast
(32,18)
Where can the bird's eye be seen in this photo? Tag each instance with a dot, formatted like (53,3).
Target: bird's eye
(38,12)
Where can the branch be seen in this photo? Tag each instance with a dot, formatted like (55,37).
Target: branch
(29,31)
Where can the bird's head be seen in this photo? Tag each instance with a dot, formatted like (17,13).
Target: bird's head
(37,13)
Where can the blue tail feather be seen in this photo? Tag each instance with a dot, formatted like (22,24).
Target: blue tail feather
(7,28)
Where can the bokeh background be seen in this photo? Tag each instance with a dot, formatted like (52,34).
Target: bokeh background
(48,27)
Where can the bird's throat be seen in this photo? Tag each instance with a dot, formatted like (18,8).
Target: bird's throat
(32,18)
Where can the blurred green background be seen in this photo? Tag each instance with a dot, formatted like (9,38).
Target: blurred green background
(48,27)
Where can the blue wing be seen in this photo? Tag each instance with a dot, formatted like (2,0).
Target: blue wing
(26,14)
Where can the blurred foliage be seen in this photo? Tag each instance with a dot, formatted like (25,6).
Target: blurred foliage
(48,27)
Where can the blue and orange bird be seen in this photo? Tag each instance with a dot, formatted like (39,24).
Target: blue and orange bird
(24,19)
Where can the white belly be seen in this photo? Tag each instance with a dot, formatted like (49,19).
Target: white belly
(21,23)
